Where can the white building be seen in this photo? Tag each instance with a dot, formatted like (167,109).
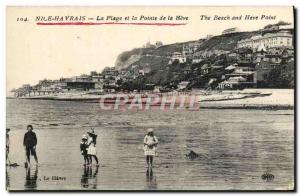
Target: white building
(269,40)
(230,30)
(182,85)
(179,57)
(158,44)
(288,26)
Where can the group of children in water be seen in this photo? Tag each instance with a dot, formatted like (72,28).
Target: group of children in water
(88,147)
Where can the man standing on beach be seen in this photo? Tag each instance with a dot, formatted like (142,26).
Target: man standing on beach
(30,142)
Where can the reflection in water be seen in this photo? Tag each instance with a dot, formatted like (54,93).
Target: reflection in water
(150,180)
(89,178)
(7,179)
(31,178)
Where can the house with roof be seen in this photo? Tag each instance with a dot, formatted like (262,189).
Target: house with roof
(177,56)
(244,77)
(205,69)
(260,53)
(235,82)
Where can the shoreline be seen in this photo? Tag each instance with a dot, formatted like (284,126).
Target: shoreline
(260,99)
(250,107)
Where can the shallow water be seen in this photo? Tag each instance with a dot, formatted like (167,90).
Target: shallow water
(236,148)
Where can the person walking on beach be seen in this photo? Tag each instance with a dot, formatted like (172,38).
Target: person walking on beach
(150,146)
(30,142)
(91,151)
(83,149)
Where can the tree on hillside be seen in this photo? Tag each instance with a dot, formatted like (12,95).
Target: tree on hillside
(277,79)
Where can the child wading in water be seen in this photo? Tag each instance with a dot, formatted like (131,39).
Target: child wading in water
(150,146)
(83,149)
(91,151)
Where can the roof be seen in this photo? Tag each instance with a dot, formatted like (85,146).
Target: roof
(231,67)
(217,66)
(205,66)
(261,48)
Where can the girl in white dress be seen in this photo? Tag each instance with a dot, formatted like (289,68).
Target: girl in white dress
(150,146)
(91,150)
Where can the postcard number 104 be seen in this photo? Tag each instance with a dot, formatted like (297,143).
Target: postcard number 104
(22,19)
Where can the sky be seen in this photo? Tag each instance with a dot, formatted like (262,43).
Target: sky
(35,52)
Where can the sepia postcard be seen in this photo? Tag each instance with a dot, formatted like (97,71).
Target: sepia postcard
(134,98)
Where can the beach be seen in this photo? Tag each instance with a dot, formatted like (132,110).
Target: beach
(273,99)
(235,146)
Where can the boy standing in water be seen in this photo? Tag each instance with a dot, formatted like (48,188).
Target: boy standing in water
(83,149)
(30,142)
(150,145)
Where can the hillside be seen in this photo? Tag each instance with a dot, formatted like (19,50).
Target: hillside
(226,42)
(159,70)
(221,42)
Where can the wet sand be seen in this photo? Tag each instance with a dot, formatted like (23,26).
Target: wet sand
(236,148)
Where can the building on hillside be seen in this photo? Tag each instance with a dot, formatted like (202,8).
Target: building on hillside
(196,60)
(98,78)
(236,82)
(99,81)
(260,53)
(187,51)
(271,28)
(146,69)
(230,30)
(208,36)
(244,55)
(82,78)
(158,44)
(286,27)
(177,56)
(182,85)
(189,48)
(141,72)
(187,70)
(232,55)
(149,45)
(206,53)
(205,69)
(197,57)
(110,70)
(157,89)
(26,87)
(80,85)
(229,69)
(269,40)
(237,77)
